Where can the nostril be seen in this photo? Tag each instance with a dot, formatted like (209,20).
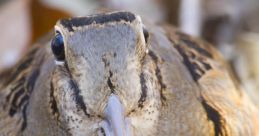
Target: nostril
(105,129)
(101,132)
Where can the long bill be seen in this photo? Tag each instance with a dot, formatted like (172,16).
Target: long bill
(115,123)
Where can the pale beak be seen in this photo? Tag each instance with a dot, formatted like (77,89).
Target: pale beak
(115,123)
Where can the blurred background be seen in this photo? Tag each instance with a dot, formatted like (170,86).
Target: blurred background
(232,26)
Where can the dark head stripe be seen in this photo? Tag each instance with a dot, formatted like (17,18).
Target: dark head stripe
(97,19)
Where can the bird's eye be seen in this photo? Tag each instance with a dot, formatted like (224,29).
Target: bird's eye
(57,46)
(146,34)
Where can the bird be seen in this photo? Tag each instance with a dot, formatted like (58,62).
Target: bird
(112,74)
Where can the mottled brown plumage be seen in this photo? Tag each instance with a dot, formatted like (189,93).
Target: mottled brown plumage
(167,83)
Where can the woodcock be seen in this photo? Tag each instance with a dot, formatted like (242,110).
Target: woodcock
(109,74)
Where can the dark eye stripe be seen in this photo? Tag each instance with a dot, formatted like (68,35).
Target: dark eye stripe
(143,90)
(158,74)
(78,98)
(53,103)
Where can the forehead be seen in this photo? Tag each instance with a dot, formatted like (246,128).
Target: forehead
(96,35)
(72,23)
(110,38)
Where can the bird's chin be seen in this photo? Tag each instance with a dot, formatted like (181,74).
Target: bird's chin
(115,123)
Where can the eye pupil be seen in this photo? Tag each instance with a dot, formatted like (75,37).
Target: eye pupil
(57,46)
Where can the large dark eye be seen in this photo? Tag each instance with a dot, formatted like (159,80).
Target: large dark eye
(57,46)
(146,34)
